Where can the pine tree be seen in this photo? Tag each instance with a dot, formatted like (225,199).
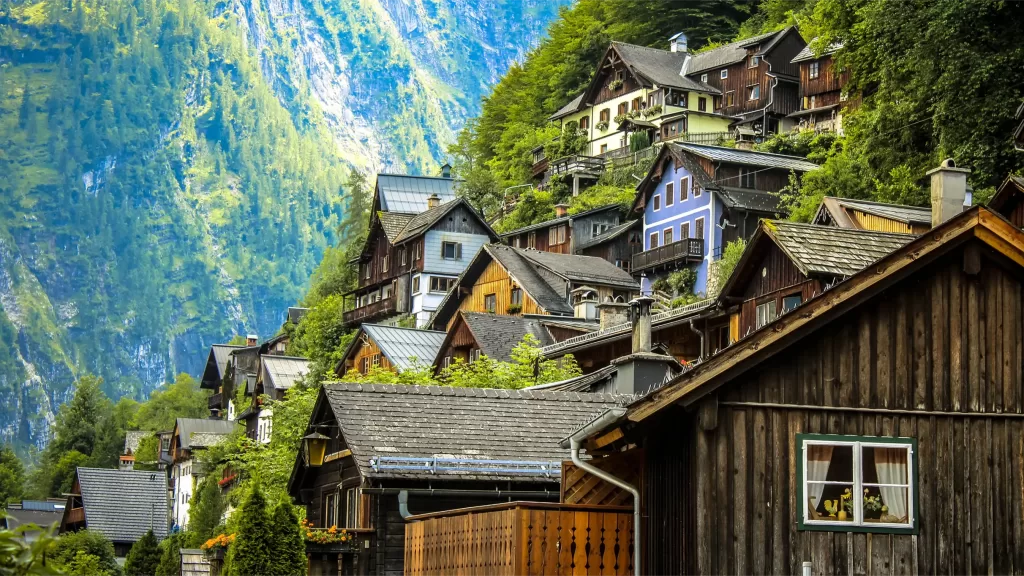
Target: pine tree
(252,554)
(170,556)
(144,557)
(288,551)
(206,511)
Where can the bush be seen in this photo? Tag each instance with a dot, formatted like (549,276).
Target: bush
(288,550)
(252,553)
(170,555)
(72,552)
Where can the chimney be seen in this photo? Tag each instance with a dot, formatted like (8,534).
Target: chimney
(561,210)
(640,311)
(127,462)
(446,170)
(251,340)
(949,191)
(433,201)
(612,314)
(642,370)
(677,43)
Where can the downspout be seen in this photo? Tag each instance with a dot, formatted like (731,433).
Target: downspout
(403,504)
(698,333)
(606,418)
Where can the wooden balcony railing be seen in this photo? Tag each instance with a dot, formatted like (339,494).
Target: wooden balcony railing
(517,538)
(370,312)
(688,250)
(76,515)
(577,164)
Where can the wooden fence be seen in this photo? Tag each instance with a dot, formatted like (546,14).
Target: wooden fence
(521,538)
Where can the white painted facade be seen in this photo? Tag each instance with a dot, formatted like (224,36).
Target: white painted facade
(184,488)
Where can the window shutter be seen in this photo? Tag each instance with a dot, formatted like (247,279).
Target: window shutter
(458,251)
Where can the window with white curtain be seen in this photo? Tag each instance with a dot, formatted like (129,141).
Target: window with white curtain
(857,483)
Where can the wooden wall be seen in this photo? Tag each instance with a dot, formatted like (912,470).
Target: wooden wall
(786,98)
(541,236)
(872,222)
(1016,215)
(354,362)
(495,280)
(782,278)
(938,358)
(827,80)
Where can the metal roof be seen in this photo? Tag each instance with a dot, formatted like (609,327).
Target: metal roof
(747,157)
(123,504)
(725,55)
(900,213)
(405,347)
(283,372)
(569,108)
(189,428)
(830,250)
(403,193)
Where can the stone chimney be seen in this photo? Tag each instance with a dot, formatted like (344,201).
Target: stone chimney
(252,340)
(677,43)
(446,170)
(612,314)
(641,370)
(640,314)
(433,201)
(949,191)
(561,210)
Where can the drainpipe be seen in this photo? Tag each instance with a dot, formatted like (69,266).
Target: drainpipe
(606,418)
(403,504)
(698,333)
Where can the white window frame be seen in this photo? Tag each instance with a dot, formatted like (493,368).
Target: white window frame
(704,78)
(813,70)
(770,313)
(657,202)
(723,74)
(754,92)
(416,284)
(858,443)
(702,229)
(654,238)
(474,355)
(753,61)
(684,188)
(351,508)
(684,231)
(456,249)
(598,228)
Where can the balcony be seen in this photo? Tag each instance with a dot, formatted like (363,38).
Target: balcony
(76,516)
(521,538)
(215,402)
(372,311)
(577,165)
(684,251)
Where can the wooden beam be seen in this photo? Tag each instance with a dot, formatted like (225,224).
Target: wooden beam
(606,439)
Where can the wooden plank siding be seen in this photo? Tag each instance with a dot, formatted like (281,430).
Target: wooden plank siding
(871,222)
(367,350)
(828,80)
(495,280)
(741,76)
(775,276)
(936,357)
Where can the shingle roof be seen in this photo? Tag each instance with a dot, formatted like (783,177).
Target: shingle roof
(830,250)
(124,504)
(544,286)
(404,347)
(497,334)
(808,54)
(662,67)
(584,383)
(750,200)
(578,268)
(188,428)
(403,193)
(283,372)
(569,108)
(747,157)
(724,55)
(393,223)
(473,423)
(900,213)
(561,219)
(217,364)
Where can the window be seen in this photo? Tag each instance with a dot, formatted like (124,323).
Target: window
(790,302)
(748,178)
(702,104)
(730,98)
(330,509)
(352,508)
(364,367)
(754,92)
(384,263)
(704,78)
(813,101)
(556,235)
(684,188)
(724,74)
(753,61)
(670,193)
(415,284)
(696,191)
(417,251)
(598,228)
(440,284)
(867,482)
(698,228)
(585,123)
(474,355)
(622,265)
(813,70)
(402,258)
(654,240)
(366,270)
(637,102)
(684,230)
(516,298)
(604,148)
(666,234)
(531,240)
(657,202)
(652,99)
(605,115)
(447,362)
(451,250)
(717,101)
(623,108)
(491,303)
(375,360)
(765,313)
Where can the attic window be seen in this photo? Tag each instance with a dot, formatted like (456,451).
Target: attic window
(451,250)
(813,70)
(753,61)
(724,74)
(704,78)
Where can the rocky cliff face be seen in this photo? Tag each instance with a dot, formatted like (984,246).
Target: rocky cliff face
(172,170)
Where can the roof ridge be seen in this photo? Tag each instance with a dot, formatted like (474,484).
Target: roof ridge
(839,230)
(791,157)
(385,326)
(877,203)
(434,390)
(283,357)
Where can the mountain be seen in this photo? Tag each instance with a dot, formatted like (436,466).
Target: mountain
(173,170)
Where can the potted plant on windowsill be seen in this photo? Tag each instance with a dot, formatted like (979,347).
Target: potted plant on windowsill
(615,85)
(602,126)
(514,308)
(619,119)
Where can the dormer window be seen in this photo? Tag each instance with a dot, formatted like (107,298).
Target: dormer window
(724,74)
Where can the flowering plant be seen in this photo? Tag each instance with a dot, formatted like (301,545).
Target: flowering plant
(218,541)
(330,535)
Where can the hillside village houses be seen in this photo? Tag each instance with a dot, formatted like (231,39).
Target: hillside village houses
(849,396)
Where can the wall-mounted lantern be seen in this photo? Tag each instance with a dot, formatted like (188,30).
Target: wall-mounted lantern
(313,448)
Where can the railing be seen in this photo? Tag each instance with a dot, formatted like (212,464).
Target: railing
(215,402)
(625,327)
(689,249)
(576,164)
(76,515)
(372,310)
(521,538)
(539,167)
(708,138)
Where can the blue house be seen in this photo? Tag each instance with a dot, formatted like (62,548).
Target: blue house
(697,198)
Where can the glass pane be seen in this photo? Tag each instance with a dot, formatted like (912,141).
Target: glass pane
(887,505)
(830,502)
(885,465)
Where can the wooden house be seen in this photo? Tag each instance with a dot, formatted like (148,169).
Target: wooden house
(1009,200)
(616,245)
(190,435)
(822,90)
(758,81)
(506,280)
(277,375)
(216,378)
(878,216)
(696,199)
(869,431)
(565,232)
(421,238)
(377,454)
(389,348)
(122,505)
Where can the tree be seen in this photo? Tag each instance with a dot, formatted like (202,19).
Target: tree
(170,555)
(75,428)
(144,557)
(206,511)
(288,550)
(252,552)
(182,398)
(12,476)
(74,549)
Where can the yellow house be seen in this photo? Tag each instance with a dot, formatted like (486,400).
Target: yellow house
(877,216)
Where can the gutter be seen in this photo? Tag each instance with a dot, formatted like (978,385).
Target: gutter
(403,495)
(573,443)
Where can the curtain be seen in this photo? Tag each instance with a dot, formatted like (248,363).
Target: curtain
(819,456)
(891,467)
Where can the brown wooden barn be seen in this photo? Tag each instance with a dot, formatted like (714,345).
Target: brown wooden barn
(1009,200)
(878,216)
(822,95)
(565,232)
(876,428)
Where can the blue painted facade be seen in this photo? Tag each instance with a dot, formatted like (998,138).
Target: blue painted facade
(683,209)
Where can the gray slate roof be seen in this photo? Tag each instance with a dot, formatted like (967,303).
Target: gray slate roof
(900,213)
(393,223)
(749,200)
(569,108)
(589,269)
(190,428)
(808,54)
(403,193)
(217,364)
(747,157)
(544,286)
(497,334)
(124,504)
(473,423)
(283,372)
(725,55)
(404,347)
(830,250)
(661,67)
